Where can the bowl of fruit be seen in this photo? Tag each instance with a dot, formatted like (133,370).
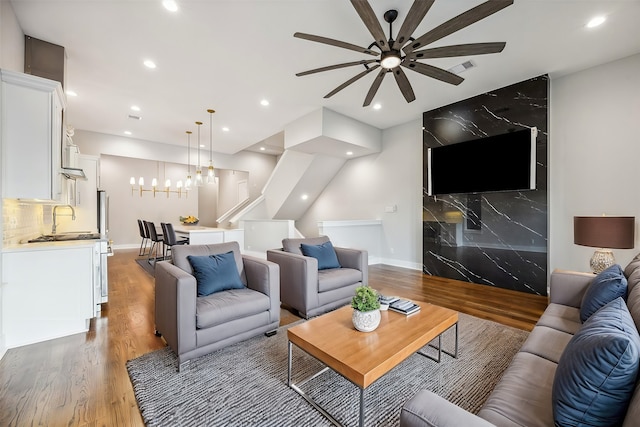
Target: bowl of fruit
(189,220)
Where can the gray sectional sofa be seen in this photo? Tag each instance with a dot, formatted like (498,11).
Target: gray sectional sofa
(536,388)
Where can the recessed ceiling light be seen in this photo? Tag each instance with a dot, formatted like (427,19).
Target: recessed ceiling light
(264,102)
(377,106)
(71,93)
(135,108)
(225,129)
(262,148)
(304,197)
(596,21)
(149,64)
(127,132)
(349,153)
(170,5)
(201,145)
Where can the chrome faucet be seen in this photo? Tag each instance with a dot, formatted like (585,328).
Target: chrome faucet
(73,215)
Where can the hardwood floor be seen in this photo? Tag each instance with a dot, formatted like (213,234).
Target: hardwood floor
(81,380)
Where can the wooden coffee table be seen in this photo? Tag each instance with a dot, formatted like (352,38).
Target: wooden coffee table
(363,357)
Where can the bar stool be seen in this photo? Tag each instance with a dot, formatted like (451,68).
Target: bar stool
(145,238)
(170,238)
(156,238)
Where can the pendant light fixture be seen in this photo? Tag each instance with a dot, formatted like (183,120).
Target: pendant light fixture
(199,168)
(211,178)
(187,184)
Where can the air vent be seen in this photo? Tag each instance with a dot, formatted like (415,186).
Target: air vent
(131,116)
(461,67)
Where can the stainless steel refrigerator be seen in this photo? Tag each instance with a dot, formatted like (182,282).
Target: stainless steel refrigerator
(102,281)
(103,213)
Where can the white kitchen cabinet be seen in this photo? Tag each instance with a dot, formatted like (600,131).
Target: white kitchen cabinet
(31,138)
(47,292)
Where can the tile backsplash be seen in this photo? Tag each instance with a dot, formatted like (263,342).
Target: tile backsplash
(22,220)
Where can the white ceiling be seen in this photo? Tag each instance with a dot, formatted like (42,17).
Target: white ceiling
(228,55)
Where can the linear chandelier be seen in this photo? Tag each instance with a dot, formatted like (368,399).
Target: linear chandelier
(211,177)
(180,189)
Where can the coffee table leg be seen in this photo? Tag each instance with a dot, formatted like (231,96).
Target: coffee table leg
(289,365)
(440,349)
(361,424)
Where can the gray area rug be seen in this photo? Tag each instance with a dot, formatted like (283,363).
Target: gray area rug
(146,266)
(246,384)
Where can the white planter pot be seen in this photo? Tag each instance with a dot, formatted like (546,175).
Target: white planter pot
(366,321)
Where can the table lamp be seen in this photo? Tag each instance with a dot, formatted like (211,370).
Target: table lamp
(605,233)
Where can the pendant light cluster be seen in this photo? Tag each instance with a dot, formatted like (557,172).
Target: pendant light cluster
(190,182)
(199,179)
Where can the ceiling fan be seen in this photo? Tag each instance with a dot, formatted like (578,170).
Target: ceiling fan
(405,51)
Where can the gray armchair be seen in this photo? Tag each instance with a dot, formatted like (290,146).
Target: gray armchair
(311,291)
(196,325)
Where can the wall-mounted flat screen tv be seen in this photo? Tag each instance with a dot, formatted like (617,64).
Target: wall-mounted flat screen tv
(504,162)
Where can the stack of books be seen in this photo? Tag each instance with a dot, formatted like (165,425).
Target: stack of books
(404,306)
(386,300)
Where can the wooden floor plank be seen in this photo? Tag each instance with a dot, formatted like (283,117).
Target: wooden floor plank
(81,380)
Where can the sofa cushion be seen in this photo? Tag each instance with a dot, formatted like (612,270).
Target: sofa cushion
(546,342)
(522,396)
(633,280)
(561,317)
(631,267)
(225,306)
(335,278)
(604,288)
(597,372)
(633,304)
(324,253)
(215,273)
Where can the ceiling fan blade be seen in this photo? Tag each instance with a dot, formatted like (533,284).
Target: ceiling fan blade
(416,14)
(403,84)
(459,22)
(374,87)
(434,72)
(458,50)
(334,67)
(337,43)
(351,80)
(372,23)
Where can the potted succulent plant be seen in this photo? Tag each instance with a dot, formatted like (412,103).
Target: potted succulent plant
(366,309)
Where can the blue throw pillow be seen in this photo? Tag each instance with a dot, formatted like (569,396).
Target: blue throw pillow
(596,374)
(215,273)
(324,253)
(604,288)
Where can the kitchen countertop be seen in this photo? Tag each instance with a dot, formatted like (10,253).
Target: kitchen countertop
(47,246)
(201,229)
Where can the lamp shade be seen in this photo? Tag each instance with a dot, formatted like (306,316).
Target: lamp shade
(612,232)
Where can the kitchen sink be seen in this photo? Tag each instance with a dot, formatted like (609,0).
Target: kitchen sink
(62,237)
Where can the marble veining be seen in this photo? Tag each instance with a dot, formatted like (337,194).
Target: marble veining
(494,238)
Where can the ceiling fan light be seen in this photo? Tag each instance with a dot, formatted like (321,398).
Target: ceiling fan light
(390,60)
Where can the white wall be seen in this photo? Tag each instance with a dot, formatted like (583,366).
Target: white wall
(594,154)
(11,39)
(366,185)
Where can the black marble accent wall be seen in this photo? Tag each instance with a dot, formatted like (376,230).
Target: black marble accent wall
(494,238)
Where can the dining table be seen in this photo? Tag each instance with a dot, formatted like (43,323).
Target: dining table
(201,235)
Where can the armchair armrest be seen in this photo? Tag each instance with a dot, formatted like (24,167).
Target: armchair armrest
(568,287)
(175,306)
(264,276)
(430,410)
(357,259)
(298,278)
